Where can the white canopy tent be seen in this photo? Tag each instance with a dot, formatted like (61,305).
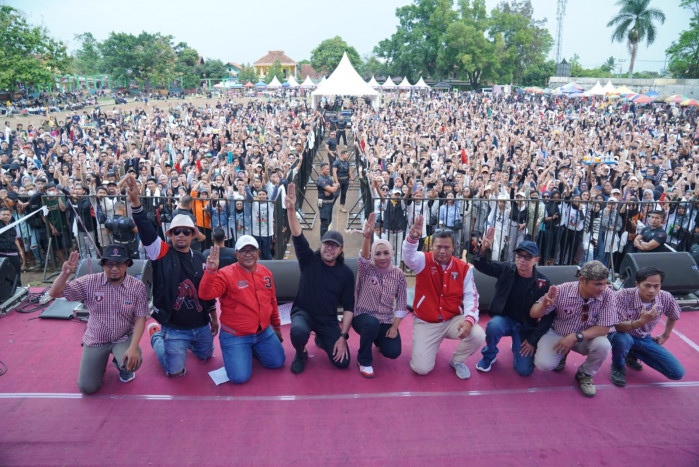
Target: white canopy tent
(609,88)
(292,82)
(308,83)
(596,90)
(421,84)
(405,84)
(373,83)
(274,84)
(388,84)
(344,81)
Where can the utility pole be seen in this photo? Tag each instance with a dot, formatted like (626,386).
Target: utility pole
(560,13)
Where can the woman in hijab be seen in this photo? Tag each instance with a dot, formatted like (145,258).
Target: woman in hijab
(380,300)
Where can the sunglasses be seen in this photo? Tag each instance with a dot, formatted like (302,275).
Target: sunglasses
(585,312)
(248,251)
(546,197)
(186,232)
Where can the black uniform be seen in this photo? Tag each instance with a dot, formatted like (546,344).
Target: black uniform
(343,169)
(325,202)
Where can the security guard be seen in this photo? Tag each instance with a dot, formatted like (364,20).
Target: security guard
(326,197)
(342,176)
(123,229)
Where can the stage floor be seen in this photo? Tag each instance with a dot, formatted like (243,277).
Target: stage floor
(327,416)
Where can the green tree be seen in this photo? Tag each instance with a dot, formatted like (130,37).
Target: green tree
(372,66)
(526,41)
(634,23)
(467,51)
(248,73)
(414,48)
(684,52)
(87,59)
(609,65)
(28,55)
(146,58)
(275,70)
(212,69)
(185,68)
(328,54)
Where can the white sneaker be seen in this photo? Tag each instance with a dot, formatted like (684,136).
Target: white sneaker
(367,371)
(461,369)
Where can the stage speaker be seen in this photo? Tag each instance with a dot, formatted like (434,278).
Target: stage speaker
(681,272)
(8,279)
(141,269)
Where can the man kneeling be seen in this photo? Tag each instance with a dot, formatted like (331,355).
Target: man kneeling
(641,308)
(118,305)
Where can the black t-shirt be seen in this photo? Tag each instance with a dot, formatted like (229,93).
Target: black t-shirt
(659,235)
(518,296)
(332,144)
(188,311)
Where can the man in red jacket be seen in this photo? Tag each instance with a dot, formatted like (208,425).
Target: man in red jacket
(249,314)
(446,302)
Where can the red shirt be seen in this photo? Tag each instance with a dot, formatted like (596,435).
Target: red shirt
(248,298)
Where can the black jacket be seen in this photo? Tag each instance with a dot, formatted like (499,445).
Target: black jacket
(504,272)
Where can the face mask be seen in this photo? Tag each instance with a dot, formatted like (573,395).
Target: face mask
(31,192)
(52,193)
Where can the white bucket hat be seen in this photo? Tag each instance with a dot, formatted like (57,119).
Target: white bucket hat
(182,220)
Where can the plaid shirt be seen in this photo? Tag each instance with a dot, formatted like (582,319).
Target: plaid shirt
(569,310)
(383,296)
(628,303)
(113,309)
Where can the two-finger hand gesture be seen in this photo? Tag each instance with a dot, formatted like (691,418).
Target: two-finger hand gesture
(369,225)
(213,259)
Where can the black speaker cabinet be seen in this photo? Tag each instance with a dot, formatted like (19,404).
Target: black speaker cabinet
(681,273)
(140,269)
(8,279)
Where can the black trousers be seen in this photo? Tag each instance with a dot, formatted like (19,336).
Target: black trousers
(302,323)
(371,332)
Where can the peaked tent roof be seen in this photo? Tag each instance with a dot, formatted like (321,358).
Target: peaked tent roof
(308,83)
(344,81)
(274,83)
(373,83)
(388,84)
(292,82)
(609,88)
(405,84)
(596,90)
(421,84)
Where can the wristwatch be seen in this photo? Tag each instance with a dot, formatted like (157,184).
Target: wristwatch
(579,336)
(345,335)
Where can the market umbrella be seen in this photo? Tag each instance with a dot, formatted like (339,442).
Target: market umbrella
(642,99)
(690,102)
(676,98)
(248,85)
(651,93)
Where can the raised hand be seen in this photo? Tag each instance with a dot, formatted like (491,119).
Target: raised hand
(213,260)
(132,191)
(71,265)
(416,228)
(369,225)
(487,241)
(550,297)
(290,200)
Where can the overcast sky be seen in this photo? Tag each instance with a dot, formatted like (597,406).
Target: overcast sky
(243,31)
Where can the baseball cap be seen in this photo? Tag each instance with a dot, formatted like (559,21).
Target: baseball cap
(244,241)
(117,253)
(529,247)
(333,236)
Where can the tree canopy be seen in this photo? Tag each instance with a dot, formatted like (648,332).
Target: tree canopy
(328,54)
(684,52)
(28,56)
(634,23)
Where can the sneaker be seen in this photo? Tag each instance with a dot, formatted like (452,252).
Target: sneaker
(366,371)
(632,362)
(124,375)
(618,375)
(561,365)
(587,387)
(153,328)
(343,210)
(485,364)
(299,362)
(462,370)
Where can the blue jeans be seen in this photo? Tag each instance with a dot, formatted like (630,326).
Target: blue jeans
(238,352)
(498,327)
(371,331)
(170,346)
(265,247)
(648,351)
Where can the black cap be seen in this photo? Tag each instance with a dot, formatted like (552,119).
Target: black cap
(117,253)
(333,236)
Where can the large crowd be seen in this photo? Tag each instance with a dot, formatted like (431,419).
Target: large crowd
(578,177)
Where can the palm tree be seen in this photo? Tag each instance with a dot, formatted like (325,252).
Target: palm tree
(635,23)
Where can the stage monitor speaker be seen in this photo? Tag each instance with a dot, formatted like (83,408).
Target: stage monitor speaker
(141,269)
(8,279)
(681,272)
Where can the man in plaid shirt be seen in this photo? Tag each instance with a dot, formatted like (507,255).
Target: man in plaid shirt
(641,309)
(584,313)
(118,305)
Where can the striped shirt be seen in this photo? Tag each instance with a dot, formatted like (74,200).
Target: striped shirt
(630,306)
(569,310)
(381,295)
(113,309)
